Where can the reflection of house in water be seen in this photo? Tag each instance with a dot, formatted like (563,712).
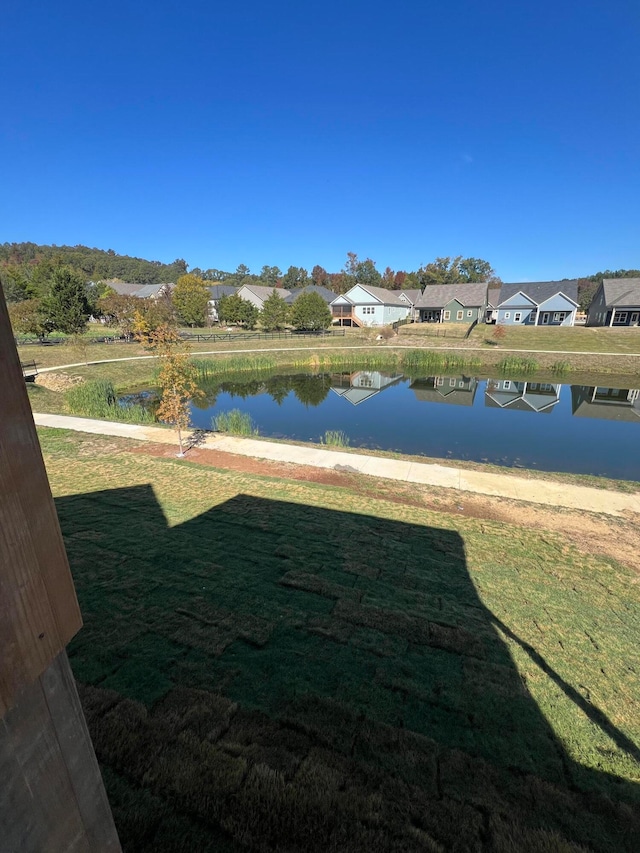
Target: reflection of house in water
(457,390)
(361,385)
(611,404)
(521,396)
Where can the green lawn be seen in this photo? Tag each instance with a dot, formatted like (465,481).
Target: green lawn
(269,664)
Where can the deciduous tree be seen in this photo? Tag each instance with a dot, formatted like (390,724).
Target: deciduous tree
(177,379)
(191,300)
(28,318)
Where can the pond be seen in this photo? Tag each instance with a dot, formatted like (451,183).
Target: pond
(551,427)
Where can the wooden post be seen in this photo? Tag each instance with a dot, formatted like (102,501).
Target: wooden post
(51,792)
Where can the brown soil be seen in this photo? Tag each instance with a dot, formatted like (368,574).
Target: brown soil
(616,538)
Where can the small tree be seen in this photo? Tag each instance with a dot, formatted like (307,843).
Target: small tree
(310,312)
(120,310)
(191,299)
(28,318)
(248,314)
(66,304)
(274,314)
(177,379)
(499,333)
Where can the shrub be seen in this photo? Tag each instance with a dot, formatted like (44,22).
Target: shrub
(98,399)
(516,364)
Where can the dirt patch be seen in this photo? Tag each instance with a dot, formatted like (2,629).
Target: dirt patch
(588,532)
(57,381)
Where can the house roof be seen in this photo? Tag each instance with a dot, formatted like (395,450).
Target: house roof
(540,291)
(412,295)
(387,297)
(218,290)
(621,292)
(493,297)
(438,295)
(265,292)
(324,292)
(141,290)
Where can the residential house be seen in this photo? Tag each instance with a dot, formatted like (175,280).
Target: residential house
(411,297)
(538,303)
(327,295)
(616,303)
(455,390)
(216,292)
(362,384)
(258,294)
(608,404)
(522,396)
(452,303)
(493,300)
(142,291)
(363,305)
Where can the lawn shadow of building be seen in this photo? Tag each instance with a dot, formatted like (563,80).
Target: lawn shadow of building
(272,676)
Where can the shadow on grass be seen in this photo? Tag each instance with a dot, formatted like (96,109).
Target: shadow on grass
(271,676)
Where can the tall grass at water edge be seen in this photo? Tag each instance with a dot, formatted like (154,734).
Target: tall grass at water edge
(411,361)
(98,399)
(517,364)
(335,438)
(234,422)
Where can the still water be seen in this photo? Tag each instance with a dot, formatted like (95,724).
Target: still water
(571,428)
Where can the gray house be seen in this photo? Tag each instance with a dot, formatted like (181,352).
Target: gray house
(452,303)
(142,291)
(257,294)
(327,295)
(616,303)
(362,384)
(537,303)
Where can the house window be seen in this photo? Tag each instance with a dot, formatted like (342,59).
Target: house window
(517,317)
(447,315)
(469,313)
(459,315)
(506,385)
(635,317)
(507,315)
(621,317)
(556,317)
(439,381)
(452,383)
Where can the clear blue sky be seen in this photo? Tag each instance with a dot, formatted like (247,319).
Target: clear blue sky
(291,132)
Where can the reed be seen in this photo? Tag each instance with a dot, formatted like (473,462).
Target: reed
(234,422)
(419,361)
(97,399)
(560,367)
(517,364)
(335,438)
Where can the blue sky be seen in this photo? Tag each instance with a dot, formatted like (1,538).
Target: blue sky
(293,132)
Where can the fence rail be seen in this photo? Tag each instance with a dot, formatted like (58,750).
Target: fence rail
(189,336)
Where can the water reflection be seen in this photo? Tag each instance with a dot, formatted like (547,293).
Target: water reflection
(390,411)
(522,396)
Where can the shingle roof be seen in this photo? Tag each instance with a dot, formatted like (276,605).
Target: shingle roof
(493,297)
(265,292)
(387,297)
(438,295)
(141,290)
(324,292)
(218,290)
(412,295)
(151,289)
(540,291)
(621,292)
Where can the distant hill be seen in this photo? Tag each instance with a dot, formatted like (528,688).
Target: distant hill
(96,264)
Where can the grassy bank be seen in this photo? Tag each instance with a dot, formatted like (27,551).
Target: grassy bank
(269,664)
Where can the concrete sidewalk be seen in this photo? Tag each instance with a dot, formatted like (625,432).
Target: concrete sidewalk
(537,491)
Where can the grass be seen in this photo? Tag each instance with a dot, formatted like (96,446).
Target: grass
(572,339)
(335,438)
(234,422)
(97,398)
(280,665)
(517,364)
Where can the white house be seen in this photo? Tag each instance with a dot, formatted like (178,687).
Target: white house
(369,306)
